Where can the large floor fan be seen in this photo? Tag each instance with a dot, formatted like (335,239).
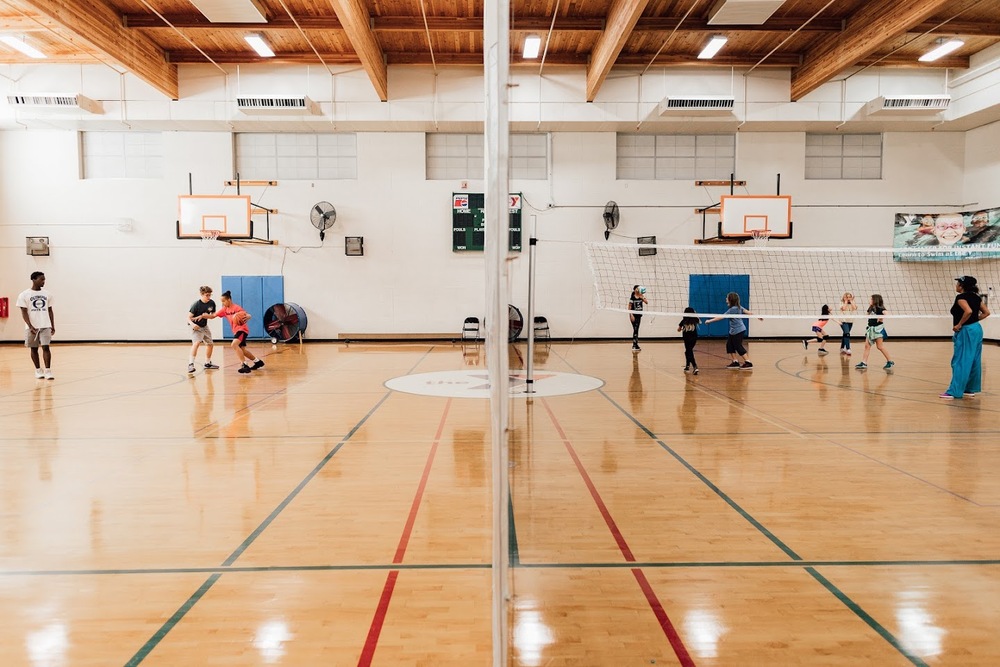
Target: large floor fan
(284,322)
(516,323)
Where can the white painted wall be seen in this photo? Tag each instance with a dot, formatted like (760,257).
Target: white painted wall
(138,285)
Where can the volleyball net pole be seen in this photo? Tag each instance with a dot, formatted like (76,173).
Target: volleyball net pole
(529,382)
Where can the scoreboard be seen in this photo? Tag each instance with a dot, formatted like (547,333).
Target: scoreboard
(468,221)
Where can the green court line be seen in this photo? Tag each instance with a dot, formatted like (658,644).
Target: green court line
(866,617)
(513,554)
(141,654)
(153,641)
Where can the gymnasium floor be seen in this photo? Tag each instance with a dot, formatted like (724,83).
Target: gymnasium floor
(802,513)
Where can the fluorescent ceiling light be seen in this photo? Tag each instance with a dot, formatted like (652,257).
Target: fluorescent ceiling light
(21,45)
(942,49)
(260,46)
(532,43)
(712,47)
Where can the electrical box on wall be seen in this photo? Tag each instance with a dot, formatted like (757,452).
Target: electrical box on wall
(37,246)
(354,246)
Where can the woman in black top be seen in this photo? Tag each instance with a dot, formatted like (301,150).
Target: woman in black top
(635,302)
(689,331)
(966,361)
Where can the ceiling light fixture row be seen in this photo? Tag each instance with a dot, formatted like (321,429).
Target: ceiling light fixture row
(259,45)
(532,45)
(943,47)
(21,44)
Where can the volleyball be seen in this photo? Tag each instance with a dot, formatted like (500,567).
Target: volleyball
(642,289)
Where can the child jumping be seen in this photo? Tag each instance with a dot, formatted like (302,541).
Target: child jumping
(875,332)
(689,331)
(817,329)
(238,319)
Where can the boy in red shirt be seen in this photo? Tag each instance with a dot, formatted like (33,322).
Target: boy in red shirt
(238,319)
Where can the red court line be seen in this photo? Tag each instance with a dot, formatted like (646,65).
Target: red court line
(676,643)
(371,641)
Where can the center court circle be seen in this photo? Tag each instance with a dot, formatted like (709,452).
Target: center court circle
(476,384)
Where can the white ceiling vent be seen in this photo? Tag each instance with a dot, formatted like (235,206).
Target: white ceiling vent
(297,106)
(696,105)
(55,102)
(742,12)
(909,104)
(231,11)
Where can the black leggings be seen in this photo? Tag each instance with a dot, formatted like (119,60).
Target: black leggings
(845,338)
(635,329)
(689,352)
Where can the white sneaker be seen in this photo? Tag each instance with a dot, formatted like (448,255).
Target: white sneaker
(39,374)
(847,352)
(48,375)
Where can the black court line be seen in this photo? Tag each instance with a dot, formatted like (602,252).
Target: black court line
(157,637)
(850,604)
(768,564)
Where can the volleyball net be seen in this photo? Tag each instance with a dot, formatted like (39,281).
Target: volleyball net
(783,282)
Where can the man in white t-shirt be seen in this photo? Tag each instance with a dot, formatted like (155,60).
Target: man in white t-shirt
(39,324)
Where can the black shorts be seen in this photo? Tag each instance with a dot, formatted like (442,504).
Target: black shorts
(242,337)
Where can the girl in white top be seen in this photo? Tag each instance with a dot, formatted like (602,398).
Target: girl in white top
(847,307)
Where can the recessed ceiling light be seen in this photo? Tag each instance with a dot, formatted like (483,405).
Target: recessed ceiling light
(943,48)
(260,46)
(712,47)
(532,44)
(21,45)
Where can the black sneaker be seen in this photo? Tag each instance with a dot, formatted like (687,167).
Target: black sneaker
(734,365)
(257,365)
(805,344)
(746,366)
(687,369)
(209,366)
(244,369)
(695,371)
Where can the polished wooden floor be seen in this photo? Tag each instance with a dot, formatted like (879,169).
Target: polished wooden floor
(803,513)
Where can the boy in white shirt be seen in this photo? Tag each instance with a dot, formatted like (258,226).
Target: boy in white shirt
(39,324)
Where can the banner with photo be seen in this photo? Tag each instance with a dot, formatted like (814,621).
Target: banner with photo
(979,230)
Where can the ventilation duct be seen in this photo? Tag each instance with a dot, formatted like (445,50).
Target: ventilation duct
(55,102)
(909,104)
(295,106)
(696,105)
(742,12)
(231,11)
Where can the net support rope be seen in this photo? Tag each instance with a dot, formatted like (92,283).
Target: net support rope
(790,283)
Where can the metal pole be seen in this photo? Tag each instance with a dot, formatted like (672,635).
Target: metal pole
(529,383)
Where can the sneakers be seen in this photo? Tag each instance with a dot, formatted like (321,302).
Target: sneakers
(746,366)
(48,374)
(734,365)
(946,396)
(191,369)
(847,352)
(805,343)
(687,369)
(39,374)
(244,369)
(695,372)
(862,366)
(209,366)
(822,351)
(257,365)
(636,348)
(968,394)
(888,365)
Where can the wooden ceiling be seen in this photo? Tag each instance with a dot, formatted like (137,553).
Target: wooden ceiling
(817,39)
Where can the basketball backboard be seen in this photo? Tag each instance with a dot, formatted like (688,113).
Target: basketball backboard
(744,214)
(229,215)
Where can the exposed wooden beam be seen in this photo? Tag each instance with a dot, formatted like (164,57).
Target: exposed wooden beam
(622,17)
(948,62)
(966,28)
(475,24)
(97,26)
(354,17)
(20,24)
(871,26)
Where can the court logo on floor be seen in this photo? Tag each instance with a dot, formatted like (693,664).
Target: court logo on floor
(476,384)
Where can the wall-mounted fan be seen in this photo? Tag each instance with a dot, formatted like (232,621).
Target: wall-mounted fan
(322,216)
(610,218)
(516,323)
(284,322)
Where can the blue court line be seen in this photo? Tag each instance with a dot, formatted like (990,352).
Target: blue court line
(153,641)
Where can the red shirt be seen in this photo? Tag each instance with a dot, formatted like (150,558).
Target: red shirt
(230,312)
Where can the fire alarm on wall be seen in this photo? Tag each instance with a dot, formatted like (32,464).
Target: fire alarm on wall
(464,185)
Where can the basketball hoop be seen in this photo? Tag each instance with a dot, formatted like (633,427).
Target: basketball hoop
(210,238)
(760,237)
